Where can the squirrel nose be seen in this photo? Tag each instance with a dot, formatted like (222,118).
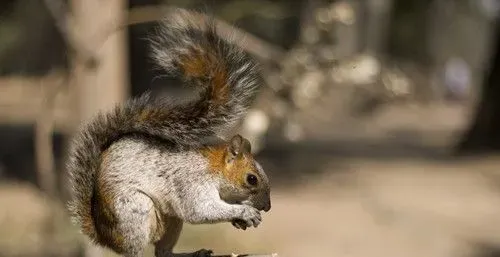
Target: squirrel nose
(267,206)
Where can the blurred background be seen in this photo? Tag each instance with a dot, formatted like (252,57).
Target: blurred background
(378,123)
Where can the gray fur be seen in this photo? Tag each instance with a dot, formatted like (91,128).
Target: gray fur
(152,182)
(182,33)
(146,177)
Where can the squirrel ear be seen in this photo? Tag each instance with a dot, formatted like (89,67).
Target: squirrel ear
(237,146)
(247,147)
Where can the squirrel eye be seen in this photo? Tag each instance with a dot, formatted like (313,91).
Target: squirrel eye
(252,180)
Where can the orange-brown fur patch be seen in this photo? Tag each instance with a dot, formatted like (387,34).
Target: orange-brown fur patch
(87,225)
(220,92)
(234,171)
(87,221)
(103,215)
(152,116)
(144,115)
(206,65)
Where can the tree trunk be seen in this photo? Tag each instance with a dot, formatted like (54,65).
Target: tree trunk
(105,84)
(102,85)
(484,133)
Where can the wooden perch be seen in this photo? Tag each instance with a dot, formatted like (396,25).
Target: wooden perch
(248,255)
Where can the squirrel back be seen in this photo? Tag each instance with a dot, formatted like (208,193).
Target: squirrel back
(188,46)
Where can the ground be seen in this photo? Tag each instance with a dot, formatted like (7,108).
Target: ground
(358,197)
(378,209)
(373,208)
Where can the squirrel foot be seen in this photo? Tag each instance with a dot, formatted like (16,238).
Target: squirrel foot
(203,253)
(199,253)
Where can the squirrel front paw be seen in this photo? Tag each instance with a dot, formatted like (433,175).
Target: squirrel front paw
(239,224)
(249,216)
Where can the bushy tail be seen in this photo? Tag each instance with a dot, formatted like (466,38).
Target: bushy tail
(186,45)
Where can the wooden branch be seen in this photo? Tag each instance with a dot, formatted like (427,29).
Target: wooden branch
(137,15)
(22,97)
(65,24)
(248,255)
(44,130)
(251,43)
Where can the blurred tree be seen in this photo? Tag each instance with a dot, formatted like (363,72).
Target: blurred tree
(141,73)
(6,7)
(30,44)
(484,133)
(408,26)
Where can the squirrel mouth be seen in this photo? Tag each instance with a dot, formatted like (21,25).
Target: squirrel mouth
(267,207)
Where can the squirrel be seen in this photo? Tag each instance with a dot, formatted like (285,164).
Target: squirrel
(141,170)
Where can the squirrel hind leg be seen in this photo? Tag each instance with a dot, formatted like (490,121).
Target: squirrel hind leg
(163,248)
(136,224)
(172,230)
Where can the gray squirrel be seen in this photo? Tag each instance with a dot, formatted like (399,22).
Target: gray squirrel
(141,170)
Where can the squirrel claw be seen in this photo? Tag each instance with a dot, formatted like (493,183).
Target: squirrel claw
(239,224)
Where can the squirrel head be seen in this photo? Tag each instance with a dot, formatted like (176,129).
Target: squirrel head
(242,179)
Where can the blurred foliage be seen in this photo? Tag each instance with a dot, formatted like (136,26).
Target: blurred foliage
(341,56)
(376,51)
(275,21)
(31,46)
(29,42)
